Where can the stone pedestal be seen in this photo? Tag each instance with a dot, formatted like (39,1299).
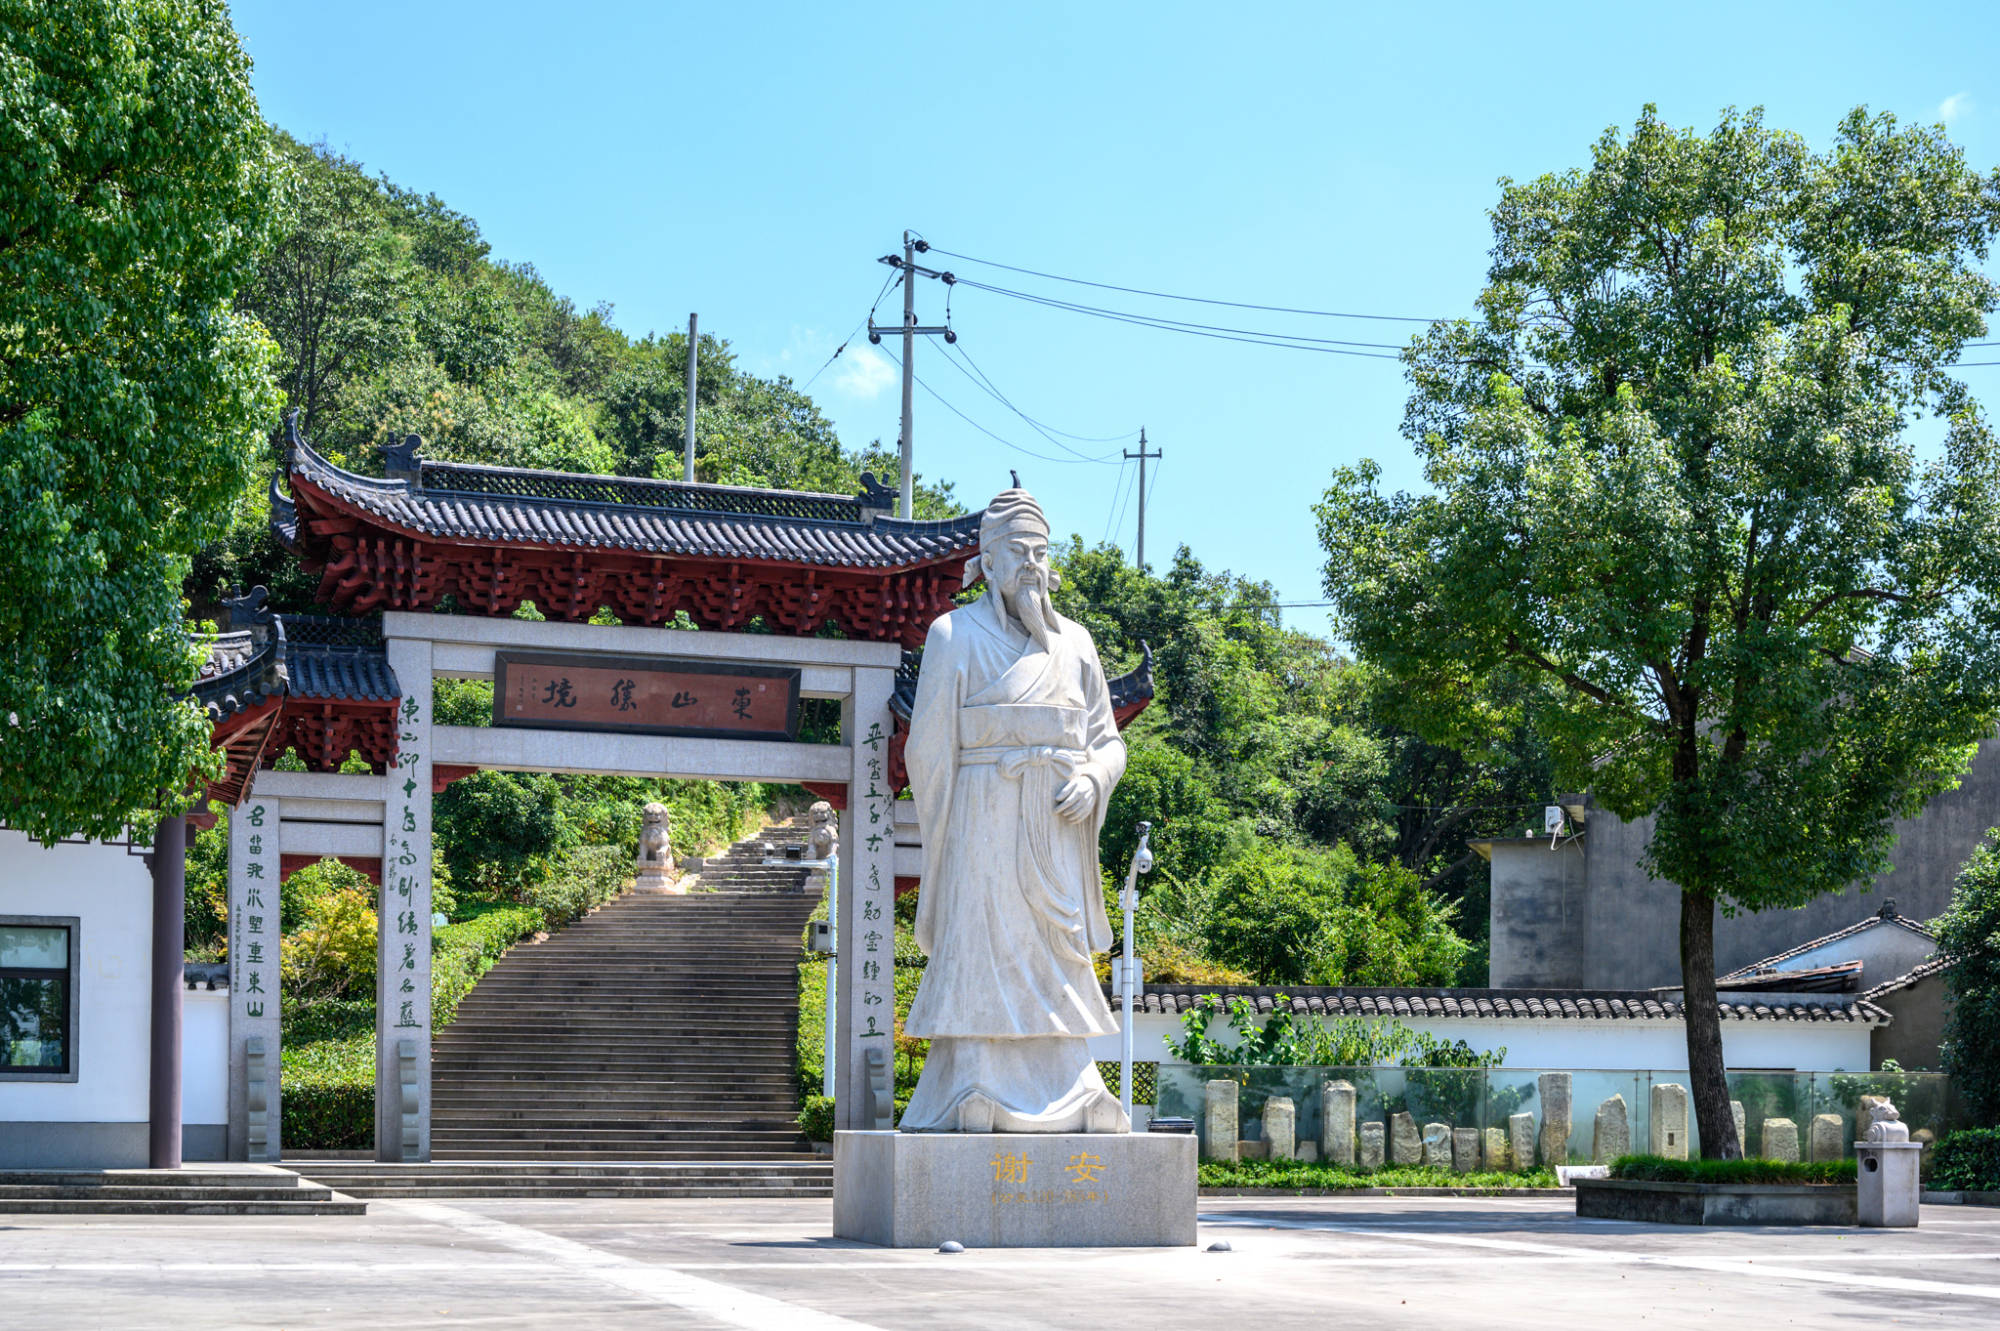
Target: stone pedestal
(1886,1176)
(660,878)
(1015,1190)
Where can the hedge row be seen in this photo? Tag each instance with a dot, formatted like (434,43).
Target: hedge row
(1967,1160)
(1660,1169)
(329,1084)
(1320,1176)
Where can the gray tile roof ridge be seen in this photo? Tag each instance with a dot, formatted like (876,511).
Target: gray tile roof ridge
(1923,970)
(1886,915)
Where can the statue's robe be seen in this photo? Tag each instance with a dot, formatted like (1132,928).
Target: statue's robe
(1011,908)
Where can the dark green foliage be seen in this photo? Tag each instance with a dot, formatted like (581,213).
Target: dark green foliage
(499,830)
(1969,933)
(1968,1159)
(1660,1169)
(328,1095)
(1298,1175)
(137,184)
(1284,1039)
(816,1118)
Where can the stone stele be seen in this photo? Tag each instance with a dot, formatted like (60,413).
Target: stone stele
(1015,1190)
(1369,1145)
(1281,1127)
(1521,1140)
(1219,1129)
(1406,1144)
(1465,1149)
(1829,1137)
(1437,1145)
(1667,1130)
(1553,1087)
(1736,1113)
(1496,1155)
(1012,757)
(1336,1122)
(1780,1139)
(1612,1136)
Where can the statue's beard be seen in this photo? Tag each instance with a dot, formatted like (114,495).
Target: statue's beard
(1030,604)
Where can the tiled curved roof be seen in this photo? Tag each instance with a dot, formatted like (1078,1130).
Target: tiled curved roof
(302,656)
(511,506)
(1499,1004)
(342,671)
(1923,970)
(240,673)
(1887,915)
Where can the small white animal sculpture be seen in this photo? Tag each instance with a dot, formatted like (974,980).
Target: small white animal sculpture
(825,836)
(655,846)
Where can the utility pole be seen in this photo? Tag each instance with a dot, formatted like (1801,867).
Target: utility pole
(906,450)
(1142,455)
(694,352)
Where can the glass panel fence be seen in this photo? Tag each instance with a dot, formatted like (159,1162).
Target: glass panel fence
(1597,1114)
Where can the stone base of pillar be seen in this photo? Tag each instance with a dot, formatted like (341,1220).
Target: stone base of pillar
(1015,1189)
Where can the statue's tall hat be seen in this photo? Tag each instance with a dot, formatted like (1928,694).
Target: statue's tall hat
(1013,509)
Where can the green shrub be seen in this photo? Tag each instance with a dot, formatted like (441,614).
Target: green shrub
(1659,1169)
(582,878)
(334,954)
(816,1118)
(328,1101)
(1968,1159)
(312,1020)
(462,952)
(1314,1174)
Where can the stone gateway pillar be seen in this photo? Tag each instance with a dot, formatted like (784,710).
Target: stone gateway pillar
(254,873)
(403,939)
(865,985)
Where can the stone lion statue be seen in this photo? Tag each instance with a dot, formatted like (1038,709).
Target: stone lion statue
(656,849)
(825,835)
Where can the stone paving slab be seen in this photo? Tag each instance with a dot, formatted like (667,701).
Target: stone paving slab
(1485,1263)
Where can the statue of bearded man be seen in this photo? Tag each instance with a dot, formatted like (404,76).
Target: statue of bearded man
(1012,755)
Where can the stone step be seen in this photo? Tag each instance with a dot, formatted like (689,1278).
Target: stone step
(485,1150)
(337,1204)
(116,1192)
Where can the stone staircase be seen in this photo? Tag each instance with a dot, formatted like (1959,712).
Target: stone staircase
(195,1190)
(492,1178)
(657,1029)
(742,867)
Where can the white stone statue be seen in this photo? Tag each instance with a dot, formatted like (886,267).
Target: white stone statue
(656,852)
(1012,755)
(824,837)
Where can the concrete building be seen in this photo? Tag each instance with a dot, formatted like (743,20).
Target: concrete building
(1580,912)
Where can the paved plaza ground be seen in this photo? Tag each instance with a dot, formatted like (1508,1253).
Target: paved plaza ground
(1358,1263)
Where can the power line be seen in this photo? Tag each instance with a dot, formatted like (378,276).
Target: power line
(1033,424)
(851,336)
(1257,337)
(1196,300)
(1000,439)
(994,388)
(1111,512)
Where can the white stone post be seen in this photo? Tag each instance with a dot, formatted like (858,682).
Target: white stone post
(253,974)
(866,983)
(403,951)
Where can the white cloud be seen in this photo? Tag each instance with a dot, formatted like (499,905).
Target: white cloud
(862,372)
(1955,107)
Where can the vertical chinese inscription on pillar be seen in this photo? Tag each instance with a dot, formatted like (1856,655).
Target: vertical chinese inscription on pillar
(253,961)
(877,895)
(403,957)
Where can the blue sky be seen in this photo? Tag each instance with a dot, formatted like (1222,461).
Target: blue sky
(751,161)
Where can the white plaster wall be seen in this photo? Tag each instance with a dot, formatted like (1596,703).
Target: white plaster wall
(205,1056)
(1608,1045)
(111,892)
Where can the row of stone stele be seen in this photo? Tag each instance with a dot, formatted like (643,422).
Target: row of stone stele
(1517,1146)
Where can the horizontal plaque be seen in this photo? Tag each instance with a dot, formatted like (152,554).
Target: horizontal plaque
(648,695)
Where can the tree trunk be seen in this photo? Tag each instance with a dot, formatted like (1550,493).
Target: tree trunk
(1707,1073)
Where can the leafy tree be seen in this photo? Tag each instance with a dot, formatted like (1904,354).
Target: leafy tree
(501,830)
(332,288)
(133,400)
(1669,475)
(1969,933)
